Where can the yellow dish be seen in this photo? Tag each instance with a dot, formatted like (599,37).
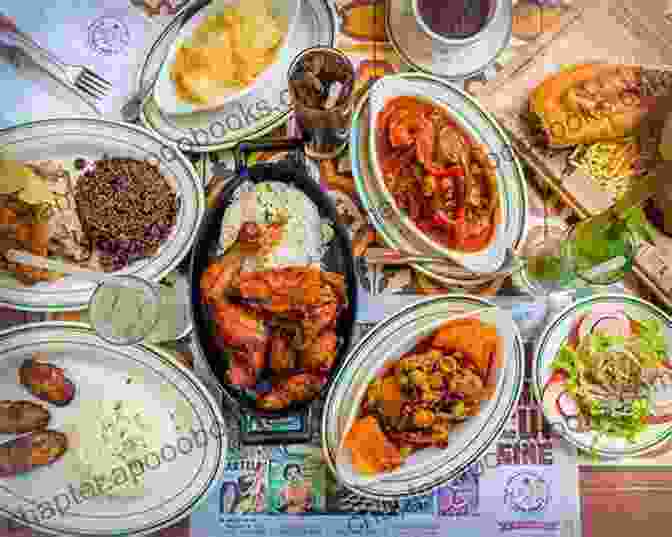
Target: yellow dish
(227,52)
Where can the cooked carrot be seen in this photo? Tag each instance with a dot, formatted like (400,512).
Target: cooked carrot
(371,451)
(7,216)
(39,243)
(24,233)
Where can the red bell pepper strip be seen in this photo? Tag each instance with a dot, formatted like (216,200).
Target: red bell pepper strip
(425,226)
(460,225)
(452,171)
(441,219)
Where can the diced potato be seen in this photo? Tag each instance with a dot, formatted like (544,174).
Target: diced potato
(423,418)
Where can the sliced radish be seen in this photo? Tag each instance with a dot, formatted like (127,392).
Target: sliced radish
(567,405)
(554,388)
(559,375)
(573,338)
(657,420)
(611,324)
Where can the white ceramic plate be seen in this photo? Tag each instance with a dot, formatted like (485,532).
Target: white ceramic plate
(394,236)
(164,92)
(189,467)
(67,139)
(390,339)
(371,196)
(491,258)
(248,117)
(548,346)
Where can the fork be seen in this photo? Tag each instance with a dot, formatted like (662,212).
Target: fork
(78,76)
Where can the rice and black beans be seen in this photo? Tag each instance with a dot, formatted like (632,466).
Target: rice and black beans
(127,209)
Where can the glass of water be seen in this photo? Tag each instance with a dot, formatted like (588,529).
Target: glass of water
(547,268)
(124,310)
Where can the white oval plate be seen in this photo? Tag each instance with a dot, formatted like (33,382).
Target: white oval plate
(164,91)
(556,334)
(253,115)
(67,139)
(174,487)
(491,258)
(390,339)
(371,197)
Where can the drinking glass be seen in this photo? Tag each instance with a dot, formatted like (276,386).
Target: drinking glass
(547,268)
(325,129)
(601,252)
(124,310)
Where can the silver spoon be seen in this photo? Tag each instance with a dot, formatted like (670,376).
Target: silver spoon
(130,112)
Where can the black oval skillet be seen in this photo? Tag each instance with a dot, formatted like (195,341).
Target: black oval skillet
(338,258)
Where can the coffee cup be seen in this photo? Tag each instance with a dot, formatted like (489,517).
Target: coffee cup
(456,23)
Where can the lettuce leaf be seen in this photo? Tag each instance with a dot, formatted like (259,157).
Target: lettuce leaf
(600,342)
(636,221)
(606,423)
(566,360)
(652,339)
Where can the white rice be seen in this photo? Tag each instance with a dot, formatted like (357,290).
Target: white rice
(112,433)
(306,236)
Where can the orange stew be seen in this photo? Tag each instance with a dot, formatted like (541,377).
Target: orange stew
(421,398)
(437,174)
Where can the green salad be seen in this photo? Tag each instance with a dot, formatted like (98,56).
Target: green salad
(610,377)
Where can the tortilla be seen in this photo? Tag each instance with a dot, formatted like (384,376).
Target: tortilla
(566,124)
